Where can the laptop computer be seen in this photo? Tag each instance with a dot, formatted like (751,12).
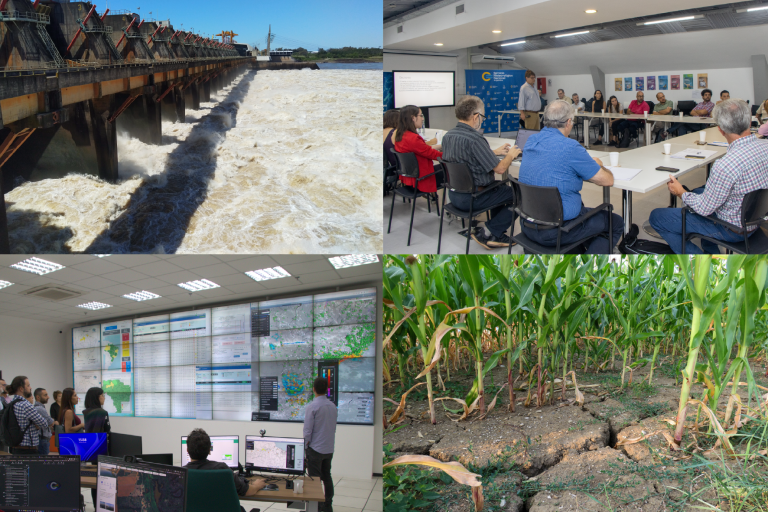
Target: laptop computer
(522,137)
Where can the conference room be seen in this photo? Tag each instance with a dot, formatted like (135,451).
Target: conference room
(273,358)
(661,109)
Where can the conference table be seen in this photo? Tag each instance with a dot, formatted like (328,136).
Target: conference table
(650,120)
(310,498)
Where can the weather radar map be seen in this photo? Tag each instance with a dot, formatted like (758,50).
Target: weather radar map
(251,361)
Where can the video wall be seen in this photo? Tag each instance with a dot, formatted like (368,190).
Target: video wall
(250,362)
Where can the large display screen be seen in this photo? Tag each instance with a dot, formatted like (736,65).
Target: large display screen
(425,88)
(87,446)
(252,361)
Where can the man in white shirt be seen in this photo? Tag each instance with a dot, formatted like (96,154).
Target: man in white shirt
(529,102)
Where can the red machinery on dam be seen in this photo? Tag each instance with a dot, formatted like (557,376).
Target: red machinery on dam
(66,66)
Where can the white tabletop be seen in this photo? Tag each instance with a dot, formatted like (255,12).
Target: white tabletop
(651,117)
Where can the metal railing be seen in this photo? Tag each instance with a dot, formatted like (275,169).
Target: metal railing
(24,16)
(106,29)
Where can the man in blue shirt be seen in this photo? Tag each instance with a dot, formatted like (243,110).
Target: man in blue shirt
(552,159)
(320,417)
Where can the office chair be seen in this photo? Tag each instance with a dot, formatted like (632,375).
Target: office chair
(211,491)
(459,179)
(754,211)
(543,207)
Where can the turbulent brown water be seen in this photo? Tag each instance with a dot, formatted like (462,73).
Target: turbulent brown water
(278,162)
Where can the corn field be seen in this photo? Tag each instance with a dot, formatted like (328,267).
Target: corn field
(549,320)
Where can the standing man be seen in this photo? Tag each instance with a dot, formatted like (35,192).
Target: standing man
(41,398)
(26,417)
(56,406)
(529,102)
(319,437)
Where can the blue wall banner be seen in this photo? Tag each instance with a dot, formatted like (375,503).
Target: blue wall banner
(499,90)
(389,90)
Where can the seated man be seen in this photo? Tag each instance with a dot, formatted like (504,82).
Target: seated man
(703,109)
(743,169)
(561,96)
(465,145)
(628,127)
(724,95)
(762,113)
(198,448)
(663,107)
(552,159)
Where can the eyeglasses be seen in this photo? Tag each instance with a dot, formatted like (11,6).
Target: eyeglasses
(481,115)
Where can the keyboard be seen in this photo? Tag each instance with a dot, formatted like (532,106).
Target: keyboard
(88,473)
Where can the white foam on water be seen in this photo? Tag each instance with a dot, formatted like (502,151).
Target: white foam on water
(284,162)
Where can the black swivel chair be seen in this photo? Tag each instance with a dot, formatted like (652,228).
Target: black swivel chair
(685,107)
(755,108)
(390,176)
(543,207)
(754,211)
(459,179)
(408,166)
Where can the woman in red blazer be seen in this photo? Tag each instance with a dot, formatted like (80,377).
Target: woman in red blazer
(408,141)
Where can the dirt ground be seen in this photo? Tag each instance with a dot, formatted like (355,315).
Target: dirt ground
(561,446)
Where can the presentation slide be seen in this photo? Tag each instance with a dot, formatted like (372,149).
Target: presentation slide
(242,362)
(86,337)
(151,328)
(191,324)
(425,88)
(231,319)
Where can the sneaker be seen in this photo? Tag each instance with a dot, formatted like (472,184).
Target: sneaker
(491,242)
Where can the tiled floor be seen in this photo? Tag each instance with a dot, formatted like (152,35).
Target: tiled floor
(350,495)
(426,225)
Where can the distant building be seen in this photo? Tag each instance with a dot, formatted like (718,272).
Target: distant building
(281,55)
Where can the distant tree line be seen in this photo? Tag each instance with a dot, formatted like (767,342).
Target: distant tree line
(348,52)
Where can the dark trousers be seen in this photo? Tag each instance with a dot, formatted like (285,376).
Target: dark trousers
(593,226)
(319,464)
(501,216)
(45,445)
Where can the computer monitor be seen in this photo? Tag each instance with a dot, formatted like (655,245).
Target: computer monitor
(275,454)
(87,446)
(40,483)
(157,458)
(121,445)
(224,449)
(121,486)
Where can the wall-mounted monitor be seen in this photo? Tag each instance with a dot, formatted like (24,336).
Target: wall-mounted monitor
(425,88)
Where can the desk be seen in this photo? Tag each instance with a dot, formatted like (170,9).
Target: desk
(312,495)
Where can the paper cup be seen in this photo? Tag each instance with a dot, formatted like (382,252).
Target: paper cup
(614,159)
(439,137)
(298,486)
(603,111)
(667,149)
(681,115)
(702,136)
(645,114)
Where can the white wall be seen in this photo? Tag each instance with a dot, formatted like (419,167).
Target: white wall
(37,350)
(738,81)
(570,84)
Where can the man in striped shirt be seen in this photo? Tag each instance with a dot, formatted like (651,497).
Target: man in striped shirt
(743,169)
(30,421)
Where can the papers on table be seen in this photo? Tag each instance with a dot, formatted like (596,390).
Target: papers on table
(694,154)
(718,143)
(623,174)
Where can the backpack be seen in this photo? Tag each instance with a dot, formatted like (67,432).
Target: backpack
(10,430)
(630,244)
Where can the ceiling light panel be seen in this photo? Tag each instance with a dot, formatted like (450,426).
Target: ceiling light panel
(671,20)
(94,305)
(516,42)
(5,284)
(265,274)
(201,284)
(572,34)
(353,260)
(37,266)
(141,296)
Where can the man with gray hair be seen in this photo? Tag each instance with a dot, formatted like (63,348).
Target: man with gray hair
(743,169)
(553,159)
(465,145)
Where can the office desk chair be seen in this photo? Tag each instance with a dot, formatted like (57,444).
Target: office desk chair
(211,491)
(543,207)
(754,211)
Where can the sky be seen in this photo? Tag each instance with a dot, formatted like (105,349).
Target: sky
(307,23)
